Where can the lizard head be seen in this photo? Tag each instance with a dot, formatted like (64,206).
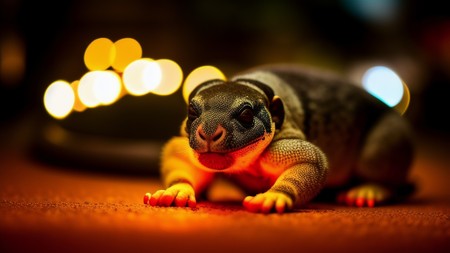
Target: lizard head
(229,124)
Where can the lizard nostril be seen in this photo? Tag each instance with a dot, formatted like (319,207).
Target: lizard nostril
(202,134)
(217,135)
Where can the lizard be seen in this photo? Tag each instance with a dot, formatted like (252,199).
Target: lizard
(284,133)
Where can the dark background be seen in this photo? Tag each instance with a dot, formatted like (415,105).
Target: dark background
(411,37)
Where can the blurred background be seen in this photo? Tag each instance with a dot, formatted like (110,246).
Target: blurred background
(41,42)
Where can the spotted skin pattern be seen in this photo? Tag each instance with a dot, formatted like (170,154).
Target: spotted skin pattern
(282,134)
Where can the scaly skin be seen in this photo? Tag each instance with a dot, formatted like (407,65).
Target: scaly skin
(283,134)
(297,169)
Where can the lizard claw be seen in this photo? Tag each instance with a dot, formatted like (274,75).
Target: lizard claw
(268,202)
(147,197)
(180,195)
(367,195)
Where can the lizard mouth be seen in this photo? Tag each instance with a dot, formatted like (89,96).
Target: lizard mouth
(215,161)
(221,160)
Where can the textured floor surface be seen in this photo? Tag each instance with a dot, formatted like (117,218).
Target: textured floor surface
(45,208)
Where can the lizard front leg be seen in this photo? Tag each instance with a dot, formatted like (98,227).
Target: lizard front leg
(182,179)
(305,169)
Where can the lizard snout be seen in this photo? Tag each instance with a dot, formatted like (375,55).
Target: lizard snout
(210,142)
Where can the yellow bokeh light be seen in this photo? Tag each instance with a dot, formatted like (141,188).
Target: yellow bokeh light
(404,102)
(131,74)
(141,76)
(127,50)
(59,99)
(198,76)
(78,105)
(172,77)
(99,54)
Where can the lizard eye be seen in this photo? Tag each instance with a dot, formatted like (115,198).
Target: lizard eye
(192,112)
(245,117)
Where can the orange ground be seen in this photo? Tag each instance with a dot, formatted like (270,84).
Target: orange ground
(48,209)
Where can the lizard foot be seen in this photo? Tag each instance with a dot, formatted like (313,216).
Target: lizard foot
(268,202)
(367,195)
(180,195)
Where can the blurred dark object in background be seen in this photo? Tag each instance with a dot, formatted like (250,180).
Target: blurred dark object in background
(41,42)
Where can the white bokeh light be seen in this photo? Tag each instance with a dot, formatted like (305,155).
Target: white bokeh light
(106,87)
(171,79)
(141,76)
(59,99)
(384,84)
(151,76)
(86,89)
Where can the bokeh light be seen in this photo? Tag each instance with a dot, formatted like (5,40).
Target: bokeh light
(59,99)
(78,105)
(384,84)
(12,59)
(129,74)
(402,106)
(99,54)
(107,87)
(151,75)
(171,79)
(99,88)
(141,76)
(379,11)
(198,76)
(127,50)
(86,89)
